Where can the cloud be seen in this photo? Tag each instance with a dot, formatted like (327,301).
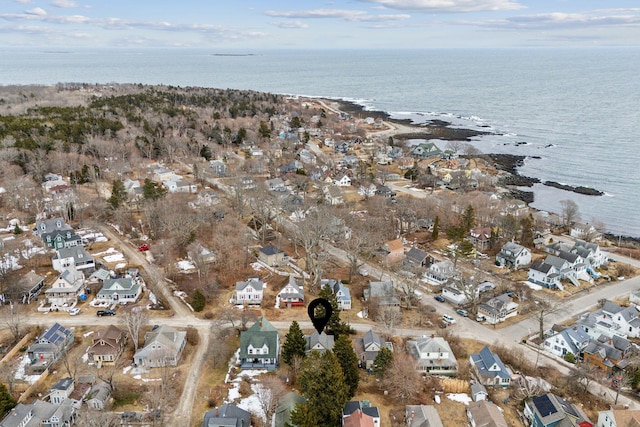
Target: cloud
(557,20)
(344,14)
(64,4)
(23,1)
(449,6)
(290,24)
(38,11)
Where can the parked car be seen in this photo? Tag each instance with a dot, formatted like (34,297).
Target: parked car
(439,298)
(106,313)
(74,311)
(462,312)
(143,247)
(448,319)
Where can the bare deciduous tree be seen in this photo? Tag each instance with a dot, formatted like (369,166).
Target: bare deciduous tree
(389,317)
(269,393)
(570,212)
(135,319)
(401,379)
(12,318)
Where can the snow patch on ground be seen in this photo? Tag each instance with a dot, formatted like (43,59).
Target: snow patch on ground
(87,334)
(533,286)
(20,372)
(120,265)
(256,266)
(360,315)
(460,397)
(114,258)
(185,266)
(126,369)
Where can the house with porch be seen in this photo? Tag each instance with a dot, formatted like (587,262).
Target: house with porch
(107,345)
(342,292)
(572,340)
(440,273)
(41,414)
(162,347)
(382,293)
(342,181)
(368,347)
(333,195)
(292,294)
(26,289)
(75,257)
(547,275)
(609,354)
(549,410)
(260,346)
(513,255)
(249,292)
(480,237)
(416,259)
(66,289)
(489,369)
(425,150)
(498,309)
(433,356)
(48,348)
(122,290)
(590,252)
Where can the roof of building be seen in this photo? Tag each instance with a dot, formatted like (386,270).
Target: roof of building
(486,414)
(489,364)
(271,250)
(258,335)
(422,416)
(228,415)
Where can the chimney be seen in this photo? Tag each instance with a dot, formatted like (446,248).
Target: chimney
(217,413)
(575,328)
(261,322)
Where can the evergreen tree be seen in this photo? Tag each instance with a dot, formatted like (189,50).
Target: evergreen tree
(198,301)
(322,384)
(118,194)
(349,363)
(335,325)
(436,226)
(7,402)
(527,231)
(382,361)
(294,344)
(468,219)
(152,191)
(264,130)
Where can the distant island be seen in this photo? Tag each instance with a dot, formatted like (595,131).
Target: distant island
(233,54)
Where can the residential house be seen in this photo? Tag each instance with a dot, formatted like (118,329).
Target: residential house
(626,318)
(286,406)
(608,354)
(382,293)
(454,295)
(162,347)
(480,237)
(619,418)
(360,414)
(547,275)
(440,272)
(275,184)
(599,324)
(307,157)
(272,255)
(219,167)
(433,356)
(498,309)
(489,369)
(108,344)
(478,392)
(416,259)
(590,252)
(368,347)
(484,413)
(133,187)
(40,414)
(343,294)
(342,181)
(98,396)
(73,257)
(569,340)
(584,231)
(385,191)
(333,195)
(28,287)
(61,391)
(46,226)
(260,346)
(319,342)
(66,289)
(49,347)
(405,163)
(422,416)
(425,150)
(227,415)
(249,292)
(247,183)
(513,255)
(180,186)
(121,290)
(393,251)
(57,234)
(207,198)
(292,294)
(549,410)
(367,189)
(577,264)
(255,151)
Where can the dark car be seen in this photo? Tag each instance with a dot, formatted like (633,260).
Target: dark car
(462,312)
(106,313)
(439,298)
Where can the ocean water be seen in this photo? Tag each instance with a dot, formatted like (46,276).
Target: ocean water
(576,109)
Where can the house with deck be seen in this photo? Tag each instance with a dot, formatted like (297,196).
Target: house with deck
(107,345)
(260,346)
(66,289)
(433,356)
(122,290)
(48,348)
(489,369)
(73,257)
(249,292)
(513,255)
(292,294)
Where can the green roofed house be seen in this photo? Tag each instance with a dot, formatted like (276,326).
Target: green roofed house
(425,150)
(260,346)
(286,405)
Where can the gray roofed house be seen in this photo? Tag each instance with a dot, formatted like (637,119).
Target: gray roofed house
(28,287)
(383,293)
(608,353)
(162,347)
(433,356)
(48,347)
(569,340)
(416,258)
(99,275)
(498,309)
(550,410)
(250,291)
(343,294)
(485,414)
(52,224)
(292,293)
(489,368)
(61,391)
(368,346)
(260,346)
(275,184)
(440,272)
(425,150)
(66,289)
(513,255)
(271,255)
(39,414)
(319,342)
(228,415)
(75,257)
(98,396)
(544,274)
(478,392)
(122,290)
(422,416)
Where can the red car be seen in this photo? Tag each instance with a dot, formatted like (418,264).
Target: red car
(143,247)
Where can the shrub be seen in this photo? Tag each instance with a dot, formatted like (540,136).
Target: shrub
(570,357)
(198,301)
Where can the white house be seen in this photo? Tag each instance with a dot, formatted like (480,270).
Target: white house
(342,181)
(590,252)
(66,289)
(122,290)
(570,340)
(250,292)
(433,356)
(626,318)
(72,257)
(513,255)
(292,294)
(618,418)
(440,272)
(545,274)
(162,347)
(343,294)
(179,186)
(454,295)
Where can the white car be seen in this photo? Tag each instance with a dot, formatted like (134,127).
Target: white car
(448,319)
(74,311)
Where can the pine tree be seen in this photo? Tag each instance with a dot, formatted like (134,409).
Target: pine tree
(335,325)
(7,402)
(118,194)
(436,225)
(468,219)
(349,363)
(382,361)
(294,344)
(322,384)
(198,301)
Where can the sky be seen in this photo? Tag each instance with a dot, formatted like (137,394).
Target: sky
(316,24)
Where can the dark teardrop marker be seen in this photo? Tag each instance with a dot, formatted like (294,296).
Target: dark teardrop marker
(319,321)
